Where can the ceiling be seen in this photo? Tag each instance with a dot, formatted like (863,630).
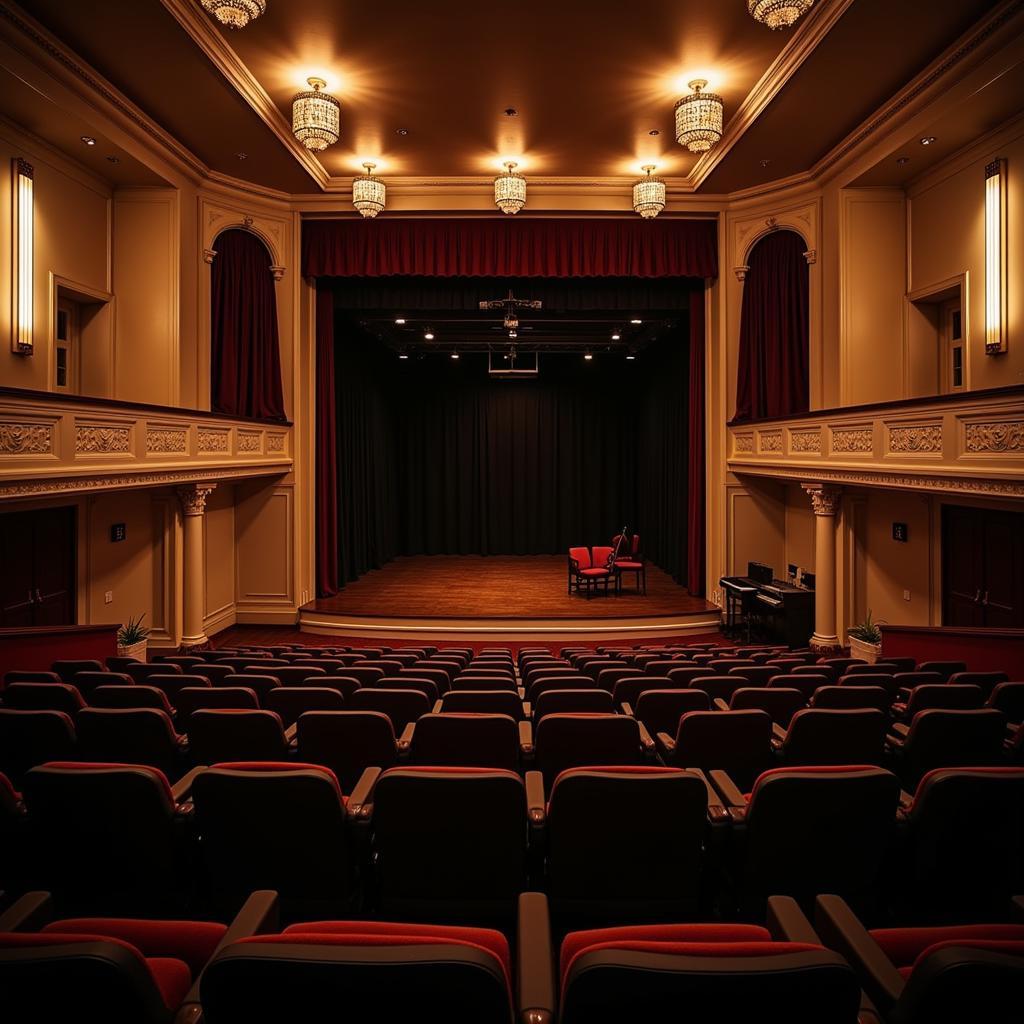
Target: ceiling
(589,81)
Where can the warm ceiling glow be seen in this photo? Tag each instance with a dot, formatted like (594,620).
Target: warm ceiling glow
(778,13)
(24,256)
(316,117)
(235,13)
(996,305)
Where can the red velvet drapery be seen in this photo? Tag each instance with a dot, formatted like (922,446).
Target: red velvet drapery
(695,560)
(326,449)
(510,248)
(772,370)
(245,358)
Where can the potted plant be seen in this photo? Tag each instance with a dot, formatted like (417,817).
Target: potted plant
(132,639)
(865,640)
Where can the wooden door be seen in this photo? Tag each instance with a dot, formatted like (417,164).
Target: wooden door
(38,582)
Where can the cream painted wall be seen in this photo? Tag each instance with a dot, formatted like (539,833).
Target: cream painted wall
(756,511)
(219,559)
(799,531)
(947,238)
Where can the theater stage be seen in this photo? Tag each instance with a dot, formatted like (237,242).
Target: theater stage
(502,597)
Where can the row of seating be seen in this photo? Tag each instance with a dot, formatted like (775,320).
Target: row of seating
(253,971)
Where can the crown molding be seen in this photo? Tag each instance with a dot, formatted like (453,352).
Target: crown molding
(42,151)
(194,20)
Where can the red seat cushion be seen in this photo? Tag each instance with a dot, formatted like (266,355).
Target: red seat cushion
(172,977)
(593,572)
(283,766)
(99,766)
(905,946)
(622,563)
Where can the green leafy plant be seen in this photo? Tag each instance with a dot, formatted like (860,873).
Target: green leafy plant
(867,631)
(132,633)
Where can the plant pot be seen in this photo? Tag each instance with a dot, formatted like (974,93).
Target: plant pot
(136,651)
(863,650)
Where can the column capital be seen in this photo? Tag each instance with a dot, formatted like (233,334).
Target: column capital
(193,498)
(824,499)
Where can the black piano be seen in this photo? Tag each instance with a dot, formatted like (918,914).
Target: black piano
(767,609)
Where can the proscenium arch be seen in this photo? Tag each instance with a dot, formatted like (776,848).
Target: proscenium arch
(772,229)
(276,267)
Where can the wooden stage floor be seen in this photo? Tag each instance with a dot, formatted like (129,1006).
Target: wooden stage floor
(499,587)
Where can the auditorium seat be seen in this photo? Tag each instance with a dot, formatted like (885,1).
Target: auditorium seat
(143,671)
(135,696)
(68,669)
(718,687)
(756,675)
(26,676)
(987,681)
(487,702)
(938,695)
(450,843)
(88,682)
(809,830)
(726,973)
(223,734)
(780,702)
(660,710)
(364,676)
(736,741)
(30,738)
(851,696)
(275,825)
(294,675)
(806,683)
(542,684)
(260,685)
(884,667)
(401,706)
(291,701)
(942,738)
(889,683)
(131,736)
(346,742)
(1008,698)
(908,680)
(572,741)
(646,864)
(216,673)
(442,681)
(185,661)
(472,740)
(569,702)
(841,666)
(816,669)
(44,697)
(683,673)
(172,685)
(425,686)
(930,975)
(818,736)
(628,690)
(196,698)
(108,838)
(946,669)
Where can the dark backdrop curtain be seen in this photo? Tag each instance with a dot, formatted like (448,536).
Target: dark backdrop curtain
(696,457)
(326,450)
(772,372)
(245,359)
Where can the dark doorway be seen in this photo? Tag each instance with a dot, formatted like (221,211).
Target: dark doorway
(37,552)
(982,568)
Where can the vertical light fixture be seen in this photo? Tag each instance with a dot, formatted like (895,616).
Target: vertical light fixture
(510,189)
(995,257)
(23,255)
(369,194)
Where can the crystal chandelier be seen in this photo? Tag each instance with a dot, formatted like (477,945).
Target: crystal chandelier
(316,117)
(778,13)
(649,195)
(510,190)
(235,13)
(369,194)
(699,118)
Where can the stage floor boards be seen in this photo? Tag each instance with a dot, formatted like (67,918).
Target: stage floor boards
(500,587)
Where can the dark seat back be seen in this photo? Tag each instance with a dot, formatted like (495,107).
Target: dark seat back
(660,710)
(130,736)
(574,741)
(782,703)
(401,706)
(819,736)
(466,740)
(569,702)
(292,701)
(221,734)
(738,742)
(347,742)
(29,738)
(483,702)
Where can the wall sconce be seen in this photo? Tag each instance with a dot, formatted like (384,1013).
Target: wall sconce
(995,257)
(23,236)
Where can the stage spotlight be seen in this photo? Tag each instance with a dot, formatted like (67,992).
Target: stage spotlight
(636,321)
(630,357)
(400,321)
(616,337)
(455,355)
(403,355)
(429,336)
(588,356)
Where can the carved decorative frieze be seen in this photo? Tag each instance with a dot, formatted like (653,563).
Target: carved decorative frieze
(26,439)
(994,437)
(193,498)
(852,439)
(743,443)
(249,441)
(824,500)
(162,441)
(770,440)
(805,441)
(212,440)
(275,443)
(95,440)
(921,438)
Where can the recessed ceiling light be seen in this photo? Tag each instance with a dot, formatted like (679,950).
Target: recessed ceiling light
(901,160)
(588,356)
(242,156)
(765,162)
(654,131)
(88,140)
(630,357)
(429,336)
(636,321)
(114,159)
(927,140)
(403,355)
(399,321)
(511,112)
(616,337)
(401,131)
(455,355)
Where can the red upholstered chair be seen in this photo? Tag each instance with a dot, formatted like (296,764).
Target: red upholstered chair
(631,560)
(136,695)
(224,734)
(573,741)
(946,669)
(484,702)
(941,738)
(988,681)
(718,687)
(347,742)
(808,684)
(29,738)
(449,842)
(585,572)
(628,690)
(829,736)
(142,671)
(471,740)
(108,837)
(275,825)
(44,697)
(172,685)
(118,970)
(736,741)
(425,686)
(292,701)
(196,698)
(810,830)
(68,669)
(216,673)
(259,684)
(930,975)
(186,661)
(89,682)
(401,706)
(24,676)
(131,736)
(778,701)
(660,709)
(938,695)
(650,859)
(1009,699)
(727,973)
(364,676)
(572,702)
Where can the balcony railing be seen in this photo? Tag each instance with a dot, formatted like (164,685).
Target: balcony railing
(55,444)
(971,443)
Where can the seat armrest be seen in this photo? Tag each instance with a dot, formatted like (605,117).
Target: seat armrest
(521,690)
(405,740)
(525,740)
(1017,906)
(778,734)
(536,808)
(900,729)
(841,930)
(182,789)
(436,710)
(28,913)
(788,923)
(906,799)
(728,789)
(646,741)
(291,732)
(360,801)
(717,814)
(535,974)
(667,743)
(527,709)
(627,709)
(720,704)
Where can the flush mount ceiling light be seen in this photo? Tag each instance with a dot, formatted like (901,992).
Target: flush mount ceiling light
(455,355)
(616,337)
(369,194)
(778,13)
(589,356)
(649,195)
(400,321)
(699,118)
(235,13)
(429,336)
(510,189)
(316,117)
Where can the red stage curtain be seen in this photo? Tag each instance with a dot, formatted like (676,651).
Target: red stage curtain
(772,375)
(510,248)
(326,450)
(695,560)
(245,359)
